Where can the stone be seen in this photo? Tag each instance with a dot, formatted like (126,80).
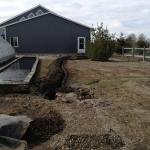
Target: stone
(13,126)
(70,97)
(7,143)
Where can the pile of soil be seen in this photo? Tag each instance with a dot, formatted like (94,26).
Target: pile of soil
(109,141)
(41,129)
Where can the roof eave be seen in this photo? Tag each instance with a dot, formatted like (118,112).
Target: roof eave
(44,15)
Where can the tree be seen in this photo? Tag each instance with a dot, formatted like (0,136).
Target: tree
(103,43)
(120,43)
(131,40)
(142,41)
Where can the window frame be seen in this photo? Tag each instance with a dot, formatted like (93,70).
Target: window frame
(17,41)
(81,50)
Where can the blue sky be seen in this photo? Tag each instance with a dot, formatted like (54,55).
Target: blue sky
(128,16)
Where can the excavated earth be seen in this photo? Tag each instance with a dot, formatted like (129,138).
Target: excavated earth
(103,106)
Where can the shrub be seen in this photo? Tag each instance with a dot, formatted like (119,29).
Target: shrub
(99,50)
(102,46)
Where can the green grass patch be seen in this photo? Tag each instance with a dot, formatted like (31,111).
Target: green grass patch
(92,82)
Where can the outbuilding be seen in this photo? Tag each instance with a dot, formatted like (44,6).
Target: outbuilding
(40,30)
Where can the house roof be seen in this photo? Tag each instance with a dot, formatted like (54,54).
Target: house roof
(46,13)
(23,14)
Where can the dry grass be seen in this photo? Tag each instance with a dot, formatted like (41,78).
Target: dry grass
(122,102)
(125,87)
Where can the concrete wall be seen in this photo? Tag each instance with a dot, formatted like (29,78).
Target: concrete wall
(47,34)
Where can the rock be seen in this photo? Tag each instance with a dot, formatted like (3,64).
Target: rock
(70,98)
(13,126)
(7,143)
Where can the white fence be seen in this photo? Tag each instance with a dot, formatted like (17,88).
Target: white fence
(143,53)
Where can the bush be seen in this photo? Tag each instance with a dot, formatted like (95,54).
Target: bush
(102,46)
(99,50)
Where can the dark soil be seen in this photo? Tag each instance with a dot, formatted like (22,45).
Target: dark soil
(84,93)
(41,129)
(110,141)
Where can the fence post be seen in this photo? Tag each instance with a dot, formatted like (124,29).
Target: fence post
(122,51)
(133,52)
(144,54)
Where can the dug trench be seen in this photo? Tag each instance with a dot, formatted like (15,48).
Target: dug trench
(54,80)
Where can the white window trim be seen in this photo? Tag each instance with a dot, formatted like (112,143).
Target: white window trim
(30,15)
(78,45)
(16,39)
(39,12)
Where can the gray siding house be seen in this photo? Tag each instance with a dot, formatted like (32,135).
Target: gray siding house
(39,30)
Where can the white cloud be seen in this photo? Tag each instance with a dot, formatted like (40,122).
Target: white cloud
(119,15)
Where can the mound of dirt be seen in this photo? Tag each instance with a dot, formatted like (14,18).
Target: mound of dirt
(109,141)
(113,139)
(41,129)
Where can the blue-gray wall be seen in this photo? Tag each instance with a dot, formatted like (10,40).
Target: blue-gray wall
(47,34)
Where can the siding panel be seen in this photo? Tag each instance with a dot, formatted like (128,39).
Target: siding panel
(47,34)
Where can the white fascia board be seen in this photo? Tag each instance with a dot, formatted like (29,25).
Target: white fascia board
(44,15)
(49,12)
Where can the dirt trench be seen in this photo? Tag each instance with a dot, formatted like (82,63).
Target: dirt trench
(54,80)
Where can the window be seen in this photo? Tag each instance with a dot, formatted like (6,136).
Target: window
(22,19)
(14,41)
(31,15)
(39,12)
(81,44)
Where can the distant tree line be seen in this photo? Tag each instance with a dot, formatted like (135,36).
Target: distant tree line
(104,43)
(131,41)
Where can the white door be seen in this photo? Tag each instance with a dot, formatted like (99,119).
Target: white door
(81,45)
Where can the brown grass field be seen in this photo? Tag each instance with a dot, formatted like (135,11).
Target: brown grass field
(121,102)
